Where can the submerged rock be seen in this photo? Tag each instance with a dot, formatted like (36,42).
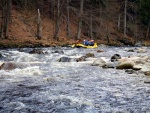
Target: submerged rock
(145,68)
(37,51)
(110,65)
(83,58)
(131,50)
(1,55)
(8,66)
(99,51)
(89,55)
(129,71)
(64,59)
(58,51)
(11,65)
(147,81)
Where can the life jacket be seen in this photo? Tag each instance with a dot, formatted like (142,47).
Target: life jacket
(91,42)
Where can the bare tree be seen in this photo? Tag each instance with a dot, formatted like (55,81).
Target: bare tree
(107,25)
(39,26)
(6,14)
(147,33)
(119,21)
(80,19)
(51,9)
(57,27)
(91,25)
(68,19)
(2,20)
(125,18)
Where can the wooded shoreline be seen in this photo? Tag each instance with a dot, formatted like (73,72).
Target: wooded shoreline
(58,23)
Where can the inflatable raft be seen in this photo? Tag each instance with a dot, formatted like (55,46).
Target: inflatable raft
(84,46)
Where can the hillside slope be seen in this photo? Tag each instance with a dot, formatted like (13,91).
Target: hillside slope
(23,28)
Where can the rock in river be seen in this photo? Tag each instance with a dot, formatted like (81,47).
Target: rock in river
(11,65)
(115,57)
(99,62)
(125,65)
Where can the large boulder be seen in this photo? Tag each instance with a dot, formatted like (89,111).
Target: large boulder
(135,63)
(137,67)
(141,50)
(99,62)
(115,57)
(125,65)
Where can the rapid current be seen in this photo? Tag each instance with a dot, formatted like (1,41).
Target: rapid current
(44,85)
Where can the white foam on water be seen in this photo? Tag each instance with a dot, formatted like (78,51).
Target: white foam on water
(105,59)
(16,105)
(23,57)
(28,71)
(73,99)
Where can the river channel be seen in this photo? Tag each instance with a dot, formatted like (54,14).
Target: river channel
(44,85)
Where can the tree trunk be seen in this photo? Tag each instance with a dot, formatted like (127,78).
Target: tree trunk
(68,19)
(107,24)
(4,18)
(91,25)
(118,22)
(125,19)
(57,27)
(40,5)
(2,22)
(39,26)
(51,9)
(100,14)
(80,19)
(147,33)
(8,16)
(136,29)
(108,40)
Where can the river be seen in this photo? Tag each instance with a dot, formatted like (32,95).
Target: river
(44,85)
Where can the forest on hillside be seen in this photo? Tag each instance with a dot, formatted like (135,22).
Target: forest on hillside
(95,19)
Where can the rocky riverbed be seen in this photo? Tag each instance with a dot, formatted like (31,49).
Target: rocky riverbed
(75,80)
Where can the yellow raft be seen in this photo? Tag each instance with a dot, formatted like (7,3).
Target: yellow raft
(84,46)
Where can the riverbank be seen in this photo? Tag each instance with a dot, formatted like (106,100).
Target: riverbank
(33,42)
(22,33)
(16,43)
